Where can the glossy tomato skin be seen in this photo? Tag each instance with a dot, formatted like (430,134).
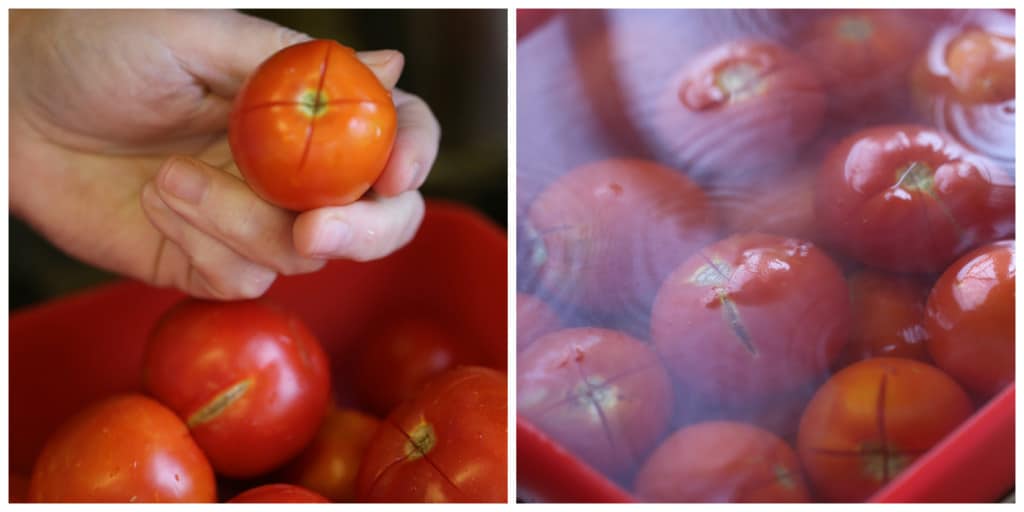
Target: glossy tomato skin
(600,393)
(722,461)
(751,316)
(447,444)
(126,448)
(242,375)
(971,320)
(873,419)
(330,463)
(887,317)
(607,233)
(911,199)
(312,127)
(398,357)
(534,318)
(737,107)
(278,493)
(862,57)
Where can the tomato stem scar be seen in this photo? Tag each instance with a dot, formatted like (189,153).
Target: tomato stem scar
(921,177)
(214,407)
(855,28)
(421,440)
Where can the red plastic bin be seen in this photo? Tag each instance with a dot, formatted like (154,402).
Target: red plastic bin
(70,352)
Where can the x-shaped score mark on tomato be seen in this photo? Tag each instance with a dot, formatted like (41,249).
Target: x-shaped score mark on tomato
(716,274)
(920,177)
(881,461)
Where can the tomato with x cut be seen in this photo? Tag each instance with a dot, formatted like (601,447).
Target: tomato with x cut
(312,127)
(600,393)
(446,444)
(911,199)
(873,419)
(751,316)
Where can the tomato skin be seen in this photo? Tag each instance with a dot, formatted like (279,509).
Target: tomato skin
(534,318)
(971,320)
(608,232)
(970,63)
(460,422)
(724,320)
(845,454)
(887,313)
(278,493)
(722,461)
(600,393)
(396,359)
(264,360)
(736,107)
(330,463)
(301,161)
(910,199)
(126,448)
(862,57)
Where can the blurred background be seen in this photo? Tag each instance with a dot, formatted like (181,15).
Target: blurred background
(456,60)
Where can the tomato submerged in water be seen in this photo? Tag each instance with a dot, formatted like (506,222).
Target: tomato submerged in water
(607,233)
(312,127)
(911,199)
(736,107)
(887,313)
(970,318)
(722,461)
(250,380)
(127,448)
(447,444)
(871,420)
(600,393)
(751,316)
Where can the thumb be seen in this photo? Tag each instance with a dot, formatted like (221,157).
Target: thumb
(386,65)
(222,48)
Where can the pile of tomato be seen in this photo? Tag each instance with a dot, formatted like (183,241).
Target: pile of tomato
(792,273)
(238,403)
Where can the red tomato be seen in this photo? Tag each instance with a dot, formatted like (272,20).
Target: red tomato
(722,461)
(873,419)
(393,362)
(312,127)
(250,380)
(971,320)
(330,463)
(862,57)
(534,318)
(447,444)
(600,393)
(609,232)
(127,448)
(736,107)
(751,316)
(909,198)
(887,313)
(278,493)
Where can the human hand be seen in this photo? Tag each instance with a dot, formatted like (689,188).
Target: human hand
(119,154)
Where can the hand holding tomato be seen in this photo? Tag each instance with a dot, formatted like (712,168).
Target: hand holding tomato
(150,173)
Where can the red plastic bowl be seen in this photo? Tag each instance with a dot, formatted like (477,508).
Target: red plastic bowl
(70,352)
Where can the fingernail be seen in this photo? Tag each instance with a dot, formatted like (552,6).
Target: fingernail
(377,57)
(184,181)
(333,236)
